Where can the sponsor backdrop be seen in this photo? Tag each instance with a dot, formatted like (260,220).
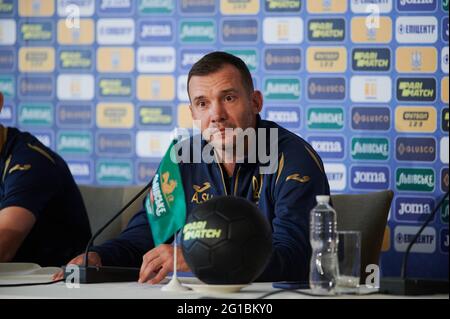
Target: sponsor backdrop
(103,82)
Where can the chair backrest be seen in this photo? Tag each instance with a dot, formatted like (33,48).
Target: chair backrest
(104,202)
(368,214)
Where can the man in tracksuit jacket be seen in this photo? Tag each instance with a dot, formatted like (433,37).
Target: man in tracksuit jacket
(222,97)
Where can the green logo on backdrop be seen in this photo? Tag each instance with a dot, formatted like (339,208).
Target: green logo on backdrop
(156,6)
(445,5)
(326,118)
(117,172)
(198,31)
(370,148)
(250,57)
(7,86)
(444,212)
(36,114)
(415,179)
(282,89)
(75,143)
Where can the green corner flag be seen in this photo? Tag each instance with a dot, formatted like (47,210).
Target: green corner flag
(165,203)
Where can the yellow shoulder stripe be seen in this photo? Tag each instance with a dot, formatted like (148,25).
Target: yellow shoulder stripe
(41,151)
(314,157)
(8,160)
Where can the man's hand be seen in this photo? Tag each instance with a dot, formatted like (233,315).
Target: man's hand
(93,260)
(158,262)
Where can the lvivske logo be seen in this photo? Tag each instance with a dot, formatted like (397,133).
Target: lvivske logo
(280,6)
(416,29)
(422,149)
(425,243)
(416,89)
(286,89)
(415,119)
(145,171)
(282,59)
(76,143)
(286,116)
(326,88)
(36,59)
(115,115)
(326,118)
(239,31)
(370,177)
(36,114)
(371,59)
(232,7)
(369,148)
(413,209)
(328,147)
(416,60)
(326,59)
(371,118)
(114,172)
(415,179)
(326,30)
(198,31)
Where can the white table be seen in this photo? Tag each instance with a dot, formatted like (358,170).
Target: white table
(134,290)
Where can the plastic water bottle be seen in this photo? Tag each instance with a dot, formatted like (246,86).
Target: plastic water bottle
(323,239)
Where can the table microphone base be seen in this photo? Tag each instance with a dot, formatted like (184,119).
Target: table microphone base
(412,286)
(94,275)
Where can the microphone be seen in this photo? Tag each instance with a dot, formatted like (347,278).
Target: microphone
(98,274)
(414,286)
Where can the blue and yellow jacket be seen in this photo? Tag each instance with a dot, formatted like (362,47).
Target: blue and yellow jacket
(285,197)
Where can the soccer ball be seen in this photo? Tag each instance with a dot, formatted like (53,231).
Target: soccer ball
(226,240)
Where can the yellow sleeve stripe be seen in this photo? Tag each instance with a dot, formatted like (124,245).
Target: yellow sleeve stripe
(280,167)
(6,167)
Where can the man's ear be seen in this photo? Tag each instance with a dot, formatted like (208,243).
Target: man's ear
(257,101)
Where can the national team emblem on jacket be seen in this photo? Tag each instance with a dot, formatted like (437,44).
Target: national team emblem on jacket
(199,193)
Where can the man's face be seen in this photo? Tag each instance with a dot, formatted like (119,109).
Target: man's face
(220,100)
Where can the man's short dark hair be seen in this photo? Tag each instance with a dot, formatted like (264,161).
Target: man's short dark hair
(214,61)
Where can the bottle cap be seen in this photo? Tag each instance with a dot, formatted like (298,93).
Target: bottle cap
(322,198)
